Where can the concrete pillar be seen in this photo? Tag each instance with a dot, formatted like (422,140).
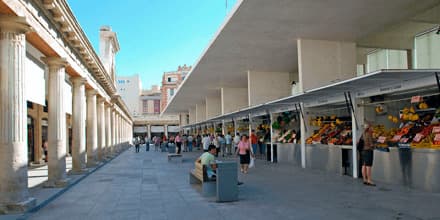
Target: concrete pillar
(113,122)
(108,131)
(92,132)
(57,122)
(192,115)
(233,99)
(149,130)
(165,130)
(276,85)
(101,128)
(78,125)
(337,61)
(213,106)
(200,112)
(14,194)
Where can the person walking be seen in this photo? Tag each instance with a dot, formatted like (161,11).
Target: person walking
(178,141)
(236,141)
(156,141)
(366,148)
(198,141)
(184,143)
(228,141)
(147,143)
(190,143)
(206,142)
(137,142)
(244,150)
(222,142)
(254,141)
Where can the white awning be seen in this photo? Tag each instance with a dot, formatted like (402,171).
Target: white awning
(378,83)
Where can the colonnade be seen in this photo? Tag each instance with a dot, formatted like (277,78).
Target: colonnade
(100,129)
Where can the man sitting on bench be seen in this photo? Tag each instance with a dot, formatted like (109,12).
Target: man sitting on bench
(208,159)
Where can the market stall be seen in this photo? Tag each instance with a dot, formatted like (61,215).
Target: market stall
(407,137)
(286,137)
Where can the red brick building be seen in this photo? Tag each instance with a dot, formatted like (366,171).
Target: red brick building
(170,82)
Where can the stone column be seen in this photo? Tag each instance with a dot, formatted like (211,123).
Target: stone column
(14,194)
(57,123)
(92,132)
(149,130)
(78,126)
(108,130)
(101,128)
(113,117)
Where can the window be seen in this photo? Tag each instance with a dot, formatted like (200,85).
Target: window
(121,81)
(171,79)
(171,92)
(156,106)
(144,106)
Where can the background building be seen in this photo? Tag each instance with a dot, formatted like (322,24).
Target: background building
(171,81)
(129,88)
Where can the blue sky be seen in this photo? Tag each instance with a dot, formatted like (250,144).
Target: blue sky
(154,35)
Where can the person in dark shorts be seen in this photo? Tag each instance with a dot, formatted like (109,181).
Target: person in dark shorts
(367,154)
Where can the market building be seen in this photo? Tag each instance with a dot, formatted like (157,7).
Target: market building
(54,86)
(308,76)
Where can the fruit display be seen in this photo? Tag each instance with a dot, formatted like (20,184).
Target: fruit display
(285,125)
(332,130)
(418,128)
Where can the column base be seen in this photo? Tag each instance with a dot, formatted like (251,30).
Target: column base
(91,164)
(56,184)
(78,172)
(38,164)
(20,207)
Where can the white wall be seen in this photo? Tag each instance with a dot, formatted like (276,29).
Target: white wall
(213,106)
(323,62)
(233,99)
(267,86)
(200,112)
(192,115)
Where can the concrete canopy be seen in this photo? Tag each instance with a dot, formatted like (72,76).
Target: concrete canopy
(261,35)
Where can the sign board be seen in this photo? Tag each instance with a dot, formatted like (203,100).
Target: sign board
(157,129)
(140,129)
(418,137)
(416,99)
(397,138)
(173,129)
(381,139)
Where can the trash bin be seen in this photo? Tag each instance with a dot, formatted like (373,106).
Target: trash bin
(227,180)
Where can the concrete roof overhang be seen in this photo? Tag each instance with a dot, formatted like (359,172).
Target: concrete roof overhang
(262,35)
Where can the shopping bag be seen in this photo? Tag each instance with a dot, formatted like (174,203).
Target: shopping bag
(252,162)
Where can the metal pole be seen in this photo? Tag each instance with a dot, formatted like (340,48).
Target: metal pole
(303,138)
(271,136)
(354,138)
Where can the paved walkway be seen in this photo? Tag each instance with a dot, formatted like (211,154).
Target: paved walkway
(146,186)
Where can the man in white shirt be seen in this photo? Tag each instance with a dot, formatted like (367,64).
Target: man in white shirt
(228,139)
(236,141)
(206,140)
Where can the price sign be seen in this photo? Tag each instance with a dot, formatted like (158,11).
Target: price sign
(437,137)
(396,138)
(436,129)
(416,99)
(404,140)
(381,139)
(418,137)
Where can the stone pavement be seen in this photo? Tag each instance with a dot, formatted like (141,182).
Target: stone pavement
(146,186)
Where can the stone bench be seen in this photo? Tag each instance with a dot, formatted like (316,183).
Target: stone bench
(198,176)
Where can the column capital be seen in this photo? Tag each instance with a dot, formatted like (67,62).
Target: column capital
(91,92)
(101,99)
(78,80)
(9,23)
(55,61)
